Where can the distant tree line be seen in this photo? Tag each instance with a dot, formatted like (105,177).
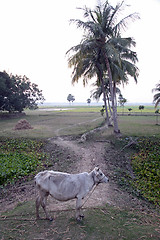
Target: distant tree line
(18,93)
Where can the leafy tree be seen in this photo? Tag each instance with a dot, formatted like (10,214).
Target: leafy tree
(73,99)
(141,107)
(17,93)
(122,101)
(129,109)
(102,111)
(88,101)
(70,98)
(102,50)
(156,98)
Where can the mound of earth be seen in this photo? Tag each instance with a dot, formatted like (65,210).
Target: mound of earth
(22,125)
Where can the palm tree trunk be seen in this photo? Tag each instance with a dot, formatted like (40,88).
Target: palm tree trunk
(116,129)
(105,102)
(100,76)
(109,106)
(115,99)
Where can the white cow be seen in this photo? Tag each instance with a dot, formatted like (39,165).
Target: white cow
(64,187)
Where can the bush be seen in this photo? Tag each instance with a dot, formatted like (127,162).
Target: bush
(146,165)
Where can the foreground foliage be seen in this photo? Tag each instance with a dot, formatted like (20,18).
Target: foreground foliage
(18,158)
(146,165)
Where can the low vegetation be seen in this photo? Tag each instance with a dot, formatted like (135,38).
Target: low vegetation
(146,165)
(136,166)
(19,158)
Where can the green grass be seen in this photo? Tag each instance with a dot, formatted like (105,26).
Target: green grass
(139,126)
(48,124)
(108,223)
(74,108)
(135,109)
(71,122)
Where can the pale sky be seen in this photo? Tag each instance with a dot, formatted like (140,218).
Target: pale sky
(35,35)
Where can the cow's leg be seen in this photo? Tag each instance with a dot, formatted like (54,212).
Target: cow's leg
(38,202)
(43,204)
(44,196)
(79,215)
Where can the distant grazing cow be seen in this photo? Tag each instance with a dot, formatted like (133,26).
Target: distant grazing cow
(64,187)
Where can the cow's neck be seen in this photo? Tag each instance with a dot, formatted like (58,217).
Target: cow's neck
(93,183)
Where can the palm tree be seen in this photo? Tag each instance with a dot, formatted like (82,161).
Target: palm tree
(86,65)
(156,98)
(100,51)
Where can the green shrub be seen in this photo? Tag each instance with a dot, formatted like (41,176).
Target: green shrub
(18,158)
(146,165)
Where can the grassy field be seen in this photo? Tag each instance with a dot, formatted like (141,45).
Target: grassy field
(107,223)
(49,123)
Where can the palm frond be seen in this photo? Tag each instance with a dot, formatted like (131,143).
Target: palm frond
(156,99)
(123,23)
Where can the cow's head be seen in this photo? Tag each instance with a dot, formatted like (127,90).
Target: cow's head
(99,176)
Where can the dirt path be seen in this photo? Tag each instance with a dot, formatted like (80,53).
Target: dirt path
(90,154)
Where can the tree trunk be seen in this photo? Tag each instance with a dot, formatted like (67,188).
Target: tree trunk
(100,77)
(105,103)
(115,99)
(109,106)
(116,129)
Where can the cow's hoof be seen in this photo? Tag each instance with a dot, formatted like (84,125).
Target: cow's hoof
(80,218)
(50,219)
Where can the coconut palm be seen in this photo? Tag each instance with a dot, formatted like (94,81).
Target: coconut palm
(86,64)
(156,98)
(100,50)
